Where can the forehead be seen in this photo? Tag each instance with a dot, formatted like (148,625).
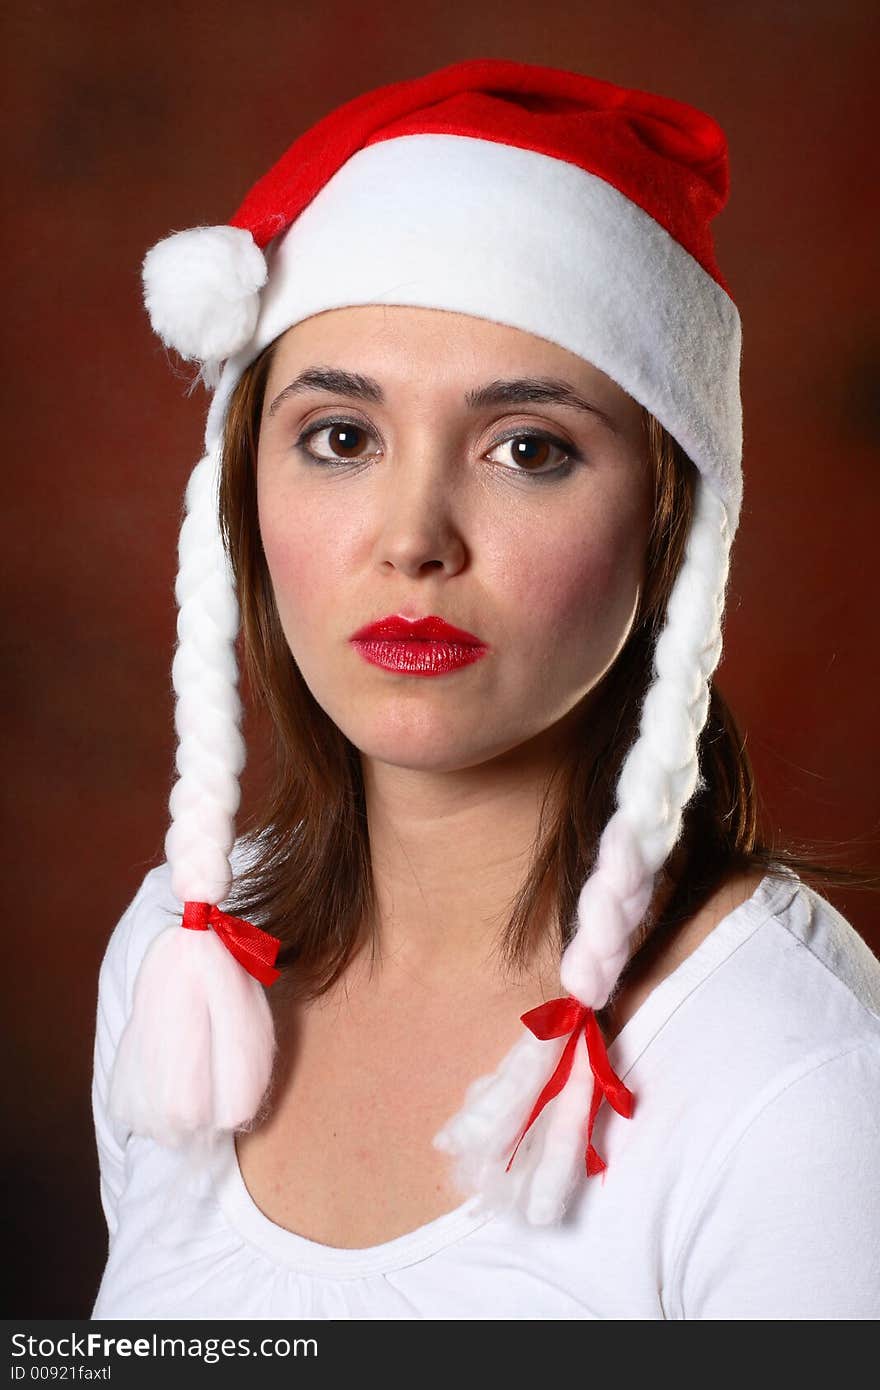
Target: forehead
(404,346)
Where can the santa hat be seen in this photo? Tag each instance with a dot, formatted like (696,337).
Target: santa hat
(575,210)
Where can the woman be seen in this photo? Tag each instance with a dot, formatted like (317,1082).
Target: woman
(474,450)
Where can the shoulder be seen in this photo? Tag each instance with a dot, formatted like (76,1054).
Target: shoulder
(810,966)
(782,989)
(775,954)
(153,908)
(830,946)
(785,1005)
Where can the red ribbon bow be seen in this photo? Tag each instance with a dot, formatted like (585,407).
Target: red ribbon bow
(552,1020)
(254,949)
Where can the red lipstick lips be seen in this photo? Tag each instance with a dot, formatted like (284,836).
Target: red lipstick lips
(421,647)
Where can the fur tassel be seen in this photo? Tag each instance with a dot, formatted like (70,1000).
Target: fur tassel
(549,1163)
(555,1178)
(196,1055)
(202,292)
(482,1134)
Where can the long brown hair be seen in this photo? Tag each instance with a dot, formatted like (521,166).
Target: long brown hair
(310,879)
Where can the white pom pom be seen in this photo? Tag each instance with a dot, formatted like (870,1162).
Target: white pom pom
(196,1055)
(202,291)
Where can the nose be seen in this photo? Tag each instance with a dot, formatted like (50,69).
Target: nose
(418,529)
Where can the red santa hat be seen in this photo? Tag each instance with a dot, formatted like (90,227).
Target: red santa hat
(575,210)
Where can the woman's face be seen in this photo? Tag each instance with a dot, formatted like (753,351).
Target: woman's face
(521,518)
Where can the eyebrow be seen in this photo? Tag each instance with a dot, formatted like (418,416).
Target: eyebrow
(510,391)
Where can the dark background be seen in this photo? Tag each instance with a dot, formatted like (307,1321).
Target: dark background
(128,122)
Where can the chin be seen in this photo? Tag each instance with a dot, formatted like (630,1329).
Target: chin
(429,746)
(420,752)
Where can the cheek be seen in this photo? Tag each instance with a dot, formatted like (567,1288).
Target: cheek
(575,588)
(304,550)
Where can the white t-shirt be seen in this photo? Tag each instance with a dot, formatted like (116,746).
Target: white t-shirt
(745,1185)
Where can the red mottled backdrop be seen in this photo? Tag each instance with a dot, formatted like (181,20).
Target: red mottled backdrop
(129,122)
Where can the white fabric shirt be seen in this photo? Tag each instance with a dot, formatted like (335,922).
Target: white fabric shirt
(745,1185)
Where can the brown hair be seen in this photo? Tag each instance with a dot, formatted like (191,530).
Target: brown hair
(310,881)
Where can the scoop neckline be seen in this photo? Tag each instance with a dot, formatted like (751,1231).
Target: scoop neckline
(311,1256)
(299,1253)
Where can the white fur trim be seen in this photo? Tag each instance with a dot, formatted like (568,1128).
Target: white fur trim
(483,228)
(201,290)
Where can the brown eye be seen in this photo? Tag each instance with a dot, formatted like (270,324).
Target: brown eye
(536,454)
(530,452)
(345,442)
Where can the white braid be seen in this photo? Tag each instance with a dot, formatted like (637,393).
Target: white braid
(658,777)
(196,1054)
(211,750)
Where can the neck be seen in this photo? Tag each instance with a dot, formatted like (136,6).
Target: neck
(449,852)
